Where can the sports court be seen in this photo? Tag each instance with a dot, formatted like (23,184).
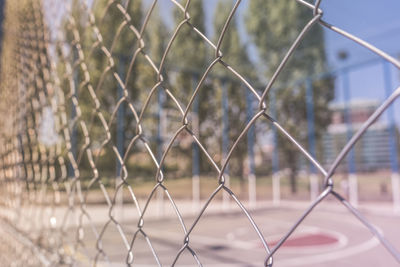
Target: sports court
(328,237)
(199,133)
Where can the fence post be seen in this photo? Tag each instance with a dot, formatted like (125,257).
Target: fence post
(250,151)
(395,178)
(276,183)
(160,124)
(120,138)
(225,139)
(160,144)
(311,137)
(120,126)
(71,171)
(352,177)
(195,151)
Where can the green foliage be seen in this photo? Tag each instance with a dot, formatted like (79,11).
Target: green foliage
(234,54)
(156,37)
(273,26)
(107,41)
(188,52)
(188,46)
(189,56)
(120,39)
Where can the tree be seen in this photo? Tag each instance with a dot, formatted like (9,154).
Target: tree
(189,50)
(104,38)
(109,19)
(273,26)
(156,40)
(189,57)
(188,53)
(234,53)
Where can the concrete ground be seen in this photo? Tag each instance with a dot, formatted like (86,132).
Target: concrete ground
(329,236)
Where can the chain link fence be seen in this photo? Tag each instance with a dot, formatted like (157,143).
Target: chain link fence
(60,120)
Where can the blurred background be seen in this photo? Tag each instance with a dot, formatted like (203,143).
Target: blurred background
(124,73)
(327,90)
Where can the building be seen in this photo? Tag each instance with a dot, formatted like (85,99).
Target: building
(372,151)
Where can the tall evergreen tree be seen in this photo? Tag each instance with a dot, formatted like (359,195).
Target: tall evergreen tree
(100,46)
(188,56)
(273,26)
(234,53)
(109,19)
(156,39)
(188,52)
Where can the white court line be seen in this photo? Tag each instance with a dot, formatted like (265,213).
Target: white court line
(207,240)
(306,229)
(231,240)
(342,241)
(334,255)
(340,250)
(297,261)
(186,265)
(307,260)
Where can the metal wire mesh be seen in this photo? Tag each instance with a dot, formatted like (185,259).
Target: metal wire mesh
(44,71)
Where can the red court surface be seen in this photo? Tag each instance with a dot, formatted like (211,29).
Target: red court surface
(308,240)
(329,236)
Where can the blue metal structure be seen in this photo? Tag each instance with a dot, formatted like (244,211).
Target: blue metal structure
(391,118)
(250,133)
(120,121)
(225,123)
(159,139)
(310,121)
(275,156)
(195,146)
(71,172)
(347,119)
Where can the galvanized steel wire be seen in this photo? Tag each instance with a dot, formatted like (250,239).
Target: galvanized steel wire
(35,177)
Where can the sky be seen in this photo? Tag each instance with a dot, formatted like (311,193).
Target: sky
(377,22)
